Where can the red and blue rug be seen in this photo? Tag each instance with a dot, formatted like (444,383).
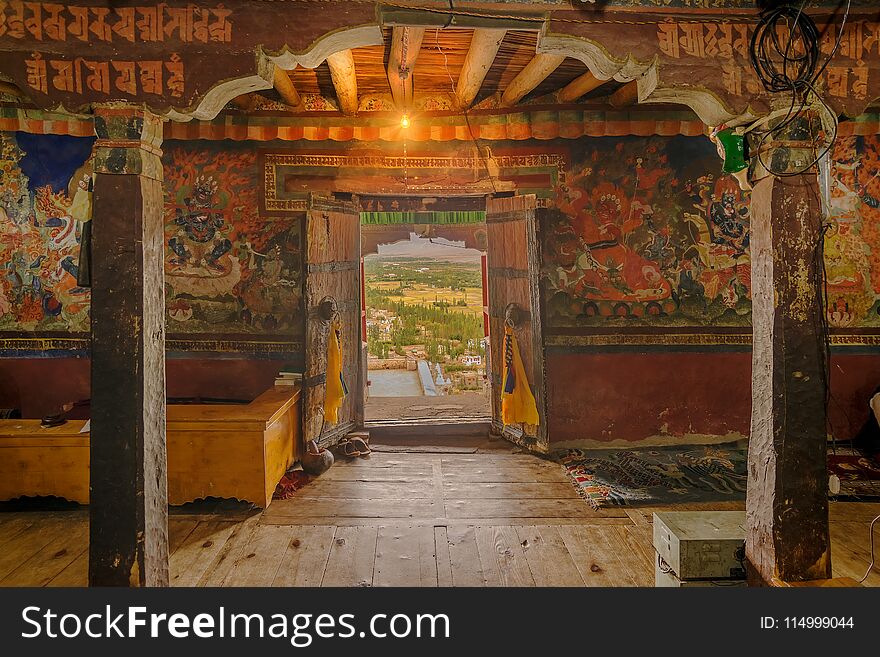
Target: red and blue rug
(658,475)
(859,474)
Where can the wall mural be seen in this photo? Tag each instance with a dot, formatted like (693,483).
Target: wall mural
(227,269)
(648,233)
(230,274)
(852,242)
(40,231)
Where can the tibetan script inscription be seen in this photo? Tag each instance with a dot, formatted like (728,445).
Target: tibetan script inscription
(55,22)
(129,77)
(731,42)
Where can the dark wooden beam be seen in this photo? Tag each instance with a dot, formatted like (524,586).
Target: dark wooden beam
(787,500)
(406,42)
(627,95)
(128,512)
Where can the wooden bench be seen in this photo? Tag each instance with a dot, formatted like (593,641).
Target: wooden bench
(214,450)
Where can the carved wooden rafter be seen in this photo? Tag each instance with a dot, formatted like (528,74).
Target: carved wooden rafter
(286,89)
(578,87)
(344,76)
(245,102)
(627,95)
(405,45)
(481,54)
(534,73)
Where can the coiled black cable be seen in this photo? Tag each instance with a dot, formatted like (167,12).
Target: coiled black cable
(790,66)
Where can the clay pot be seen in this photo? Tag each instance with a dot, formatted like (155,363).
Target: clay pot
(316,461)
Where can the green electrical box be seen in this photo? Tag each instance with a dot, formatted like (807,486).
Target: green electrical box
(733,149)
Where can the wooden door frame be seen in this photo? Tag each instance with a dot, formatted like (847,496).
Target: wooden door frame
(539,443)
(313,315)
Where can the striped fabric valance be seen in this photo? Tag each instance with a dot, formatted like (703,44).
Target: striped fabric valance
(516,126)
(544,124)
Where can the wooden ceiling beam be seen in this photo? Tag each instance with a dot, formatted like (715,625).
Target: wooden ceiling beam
(534,73)
(245,102)
(406,42)
(481,54)
(578,87)
(344,77)
(286,89)
(627,95)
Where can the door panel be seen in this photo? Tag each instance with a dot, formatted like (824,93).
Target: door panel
(333,274)
(514,270)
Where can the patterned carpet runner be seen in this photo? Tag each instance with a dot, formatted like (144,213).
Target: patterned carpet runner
(658,475)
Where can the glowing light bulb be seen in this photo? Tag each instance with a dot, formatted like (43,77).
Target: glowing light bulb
(404,121)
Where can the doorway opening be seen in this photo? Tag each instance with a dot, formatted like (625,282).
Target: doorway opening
(425,317)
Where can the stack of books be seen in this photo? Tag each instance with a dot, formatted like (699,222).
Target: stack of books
(287,378)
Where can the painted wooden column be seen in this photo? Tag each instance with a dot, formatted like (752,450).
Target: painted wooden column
(787,501)
(128,511)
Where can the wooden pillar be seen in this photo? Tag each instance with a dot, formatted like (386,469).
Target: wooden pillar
(787,500)
(128,511)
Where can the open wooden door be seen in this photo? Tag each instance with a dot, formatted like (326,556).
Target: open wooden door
(332,286)
(513,278)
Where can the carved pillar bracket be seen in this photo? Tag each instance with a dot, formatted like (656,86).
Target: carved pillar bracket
(129,142)
(787,502)
(128,507)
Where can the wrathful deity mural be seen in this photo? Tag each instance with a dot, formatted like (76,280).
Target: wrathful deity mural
(227,269)
(43,191)
(648,233)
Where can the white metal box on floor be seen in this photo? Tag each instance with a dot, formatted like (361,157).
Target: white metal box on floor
(699,548)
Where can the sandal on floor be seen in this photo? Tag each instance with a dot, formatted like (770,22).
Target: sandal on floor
(363,449)
(349,449)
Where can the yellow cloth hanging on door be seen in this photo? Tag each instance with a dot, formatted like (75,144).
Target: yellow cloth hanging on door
(517,401)
(335,389)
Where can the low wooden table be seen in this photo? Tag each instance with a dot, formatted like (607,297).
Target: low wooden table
(237,451)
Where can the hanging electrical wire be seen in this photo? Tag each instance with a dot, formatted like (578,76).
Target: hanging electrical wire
(793,67)
(464,111)
(790,68)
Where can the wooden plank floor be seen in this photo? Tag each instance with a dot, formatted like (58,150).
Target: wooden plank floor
(491,518)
